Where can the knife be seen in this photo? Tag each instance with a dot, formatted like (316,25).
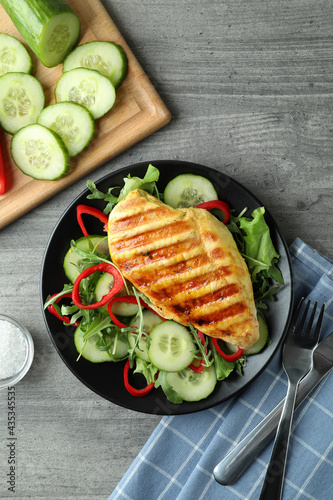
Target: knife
(232,466)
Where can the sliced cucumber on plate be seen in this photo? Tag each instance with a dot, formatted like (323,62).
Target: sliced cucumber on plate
(192,386)
(171,346)
(90,351)
(87,87)
(73,261)
(188,190)
(106,57)
(14,57)
(40,153)
(21,100)
(73,122)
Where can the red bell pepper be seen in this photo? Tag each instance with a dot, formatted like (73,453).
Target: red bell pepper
(132,390)
(54,311)
(222,205)
(103,267)
(228,357)
(85,209)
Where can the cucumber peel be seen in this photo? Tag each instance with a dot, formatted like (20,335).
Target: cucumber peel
(50,28)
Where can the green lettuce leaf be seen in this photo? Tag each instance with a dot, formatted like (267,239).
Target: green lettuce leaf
(148,183)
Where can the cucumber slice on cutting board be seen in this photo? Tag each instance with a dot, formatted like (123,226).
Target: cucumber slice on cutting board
(106,57)
(188,190)
(14,57)
(21,100)
(87,87)
(192,386)
(171,346)
(73,122)
(40,153)
(89,350)
(49,27)
(73,264)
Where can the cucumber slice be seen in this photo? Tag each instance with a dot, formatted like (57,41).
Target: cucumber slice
(262,340)
(106,57)
(73,122)
(89,350)
(150,320)
(87,87)
(14,57)
(141,350)
(73,264)
(21,100)
(188,190)
(103,286)
(40,153)
(192,386)
(49,27)
(171,346)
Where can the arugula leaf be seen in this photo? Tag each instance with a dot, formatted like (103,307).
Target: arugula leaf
(170,393)
(147,369)
(223,368)
(146,184)
(108,197)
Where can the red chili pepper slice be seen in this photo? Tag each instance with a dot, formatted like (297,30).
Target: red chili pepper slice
(55,313)
(85,209)
(228,357)
(106,268)
(197,369)
(131,299)
(2,174)
(132,390)
(222,205)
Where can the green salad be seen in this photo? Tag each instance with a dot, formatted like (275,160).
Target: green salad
(115,322)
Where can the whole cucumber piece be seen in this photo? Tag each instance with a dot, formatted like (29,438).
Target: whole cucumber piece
(50,27)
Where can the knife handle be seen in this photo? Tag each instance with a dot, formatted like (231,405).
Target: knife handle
(234,464)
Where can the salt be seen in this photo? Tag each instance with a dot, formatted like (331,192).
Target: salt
(13,349)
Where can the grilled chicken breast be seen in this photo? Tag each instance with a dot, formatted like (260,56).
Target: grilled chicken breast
(188,265)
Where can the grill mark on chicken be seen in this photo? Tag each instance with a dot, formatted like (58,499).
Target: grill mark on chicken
(194,284)
(159,257)
(147,237)
(138,219)
(221,314)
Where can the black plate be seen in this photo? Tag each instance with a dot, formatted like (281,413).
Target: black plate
(106,379)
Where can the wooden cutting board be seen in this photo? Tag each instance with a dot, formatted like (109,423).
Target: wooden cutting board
(137,113)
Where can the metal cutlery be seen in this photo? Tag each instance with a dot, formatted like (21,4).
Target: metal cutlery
(240,457)
(296,360)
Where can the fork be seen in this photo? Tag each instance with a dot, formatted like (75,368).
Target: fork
(296,360)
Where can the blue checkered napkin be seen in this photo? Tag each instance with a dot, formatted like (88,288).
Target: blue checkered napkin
(177,461)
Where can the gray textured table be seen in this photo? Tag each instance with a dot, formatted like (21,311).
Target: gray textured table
(249,85)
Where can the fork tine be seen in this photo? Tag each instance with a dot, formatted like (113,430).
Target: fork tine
(310,323)
(302,319)
(319,323)
(296,316)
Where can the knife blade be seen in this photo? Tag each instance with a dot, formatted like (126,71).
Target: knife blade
(240,457)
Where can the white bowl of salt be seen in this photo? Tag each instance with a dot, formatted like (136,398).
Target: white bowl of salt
(16,351)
